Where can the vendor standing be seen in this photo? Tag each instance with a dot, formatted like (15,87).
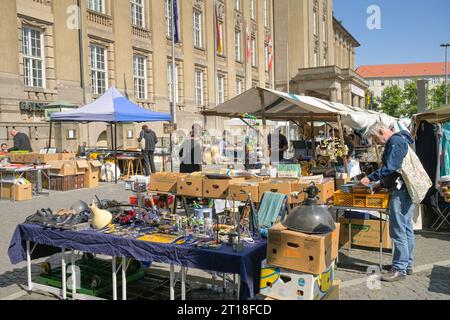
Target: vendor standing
(21,142)
(278,144)
(191,156)
(149,149)
(401,207)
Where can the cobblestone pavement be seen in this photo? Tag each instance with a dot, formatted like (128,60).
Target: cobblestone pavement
(431,280)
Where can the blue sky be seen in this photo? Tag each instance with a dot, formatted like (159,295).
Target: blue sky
(411,30)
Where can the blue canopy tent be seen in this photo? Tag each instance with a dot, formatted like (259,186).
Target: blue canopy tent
(113,108)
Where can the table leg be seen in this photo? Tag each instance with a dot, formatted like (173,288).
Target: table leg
(381,242)
(74,282)
(224,283)
(172,282)
(239,287)
(114,278)
(124,278)
(30,286)
(63,277)
(350,233)
(183,283)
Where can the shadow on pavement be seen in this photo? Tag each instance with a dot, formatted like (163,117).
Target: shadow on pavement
(440,280)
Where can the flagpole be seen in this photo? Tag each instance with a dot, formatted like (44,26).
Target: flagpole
(215,20)
(174,81)
(246,51)
(173,109)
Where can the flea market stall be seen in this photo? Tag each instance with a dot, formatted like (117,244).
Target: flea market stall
(250,229)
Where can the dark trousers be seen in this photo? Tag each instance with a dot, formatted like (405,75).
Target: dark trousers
(149,162)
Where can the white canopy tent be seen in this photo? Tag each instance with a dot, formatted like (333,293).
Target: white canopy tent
(274,105)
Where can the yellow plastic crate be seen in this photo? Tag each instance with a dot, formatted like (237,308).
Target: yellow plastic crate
(376,201)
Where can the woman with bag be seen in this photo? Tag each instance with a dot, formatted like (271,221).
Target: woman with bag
(404,176)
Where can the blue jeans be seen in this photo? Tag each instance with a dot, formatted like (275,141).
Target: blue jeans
(401,229)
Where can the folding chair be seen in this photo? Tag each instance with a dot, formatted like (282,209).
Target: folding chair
(443,212)
(272,209)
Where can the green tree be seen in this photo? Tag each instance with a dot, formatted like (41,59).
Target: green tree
(411,100)
(437,96)
(393,101)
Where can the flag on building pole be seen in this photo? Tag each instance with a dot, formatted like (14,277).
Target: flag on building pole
(247,41)
(270,48)
(219,43)
(175,21)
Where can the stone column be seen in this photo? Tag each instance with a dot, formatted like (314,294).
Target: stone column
(355,100)
(334,95)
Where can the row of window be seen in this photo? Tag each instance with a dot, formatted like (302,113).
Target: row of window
(138,11)
(391,82)
(34,70)
(99,78)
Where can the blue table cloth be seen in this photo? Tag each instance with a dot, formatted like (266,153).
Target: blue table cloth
(49,241)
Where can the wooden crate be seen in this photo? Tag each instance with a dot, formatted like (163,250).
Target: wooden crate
(376,201)
(67,183)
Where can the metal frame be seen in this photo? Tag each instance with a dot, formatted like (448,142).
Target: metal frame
(381,211)
(21,173)
(442,215)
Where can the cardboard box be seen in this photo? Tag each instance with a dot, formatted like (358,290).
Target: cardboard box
(22,192)
(335,291)
(218,189)
(42,158)
(17,157)
(288,187)
(164,181)
(282,284)
(326,188)
(365,233)
(299,251)
(66,156)
(63,168)
(81,166)
(240,191)
(92,174)
(191,186)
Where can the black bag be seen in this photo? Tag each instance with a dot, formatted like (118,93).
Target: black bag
(390,181)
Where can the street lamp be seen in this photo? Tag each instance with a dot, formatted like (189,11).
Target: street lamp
(446,45)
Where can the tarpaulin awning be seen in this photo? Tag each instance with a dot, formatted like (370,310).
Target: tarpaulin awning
(112,107)
(440,115)
(281,106)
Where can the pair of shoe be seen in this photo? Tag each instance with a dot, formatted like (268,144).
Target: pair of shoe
(42,216)
(393,275)
(409,272)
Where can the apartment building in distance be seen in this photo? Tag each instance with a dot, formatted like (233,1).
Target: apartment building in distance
(379,77)
(315,54)
(51,58)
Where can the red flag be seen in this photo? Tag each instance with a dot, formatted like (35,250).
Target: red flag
(218,32)
(248,42)
(270,52)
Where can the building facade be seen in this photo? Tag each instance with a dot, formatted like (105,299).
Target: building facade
(71,51)
(315,54)
(379,77)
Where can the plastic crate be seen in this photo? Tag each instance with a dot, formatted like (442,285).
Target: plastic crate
(376,201)
(88,270)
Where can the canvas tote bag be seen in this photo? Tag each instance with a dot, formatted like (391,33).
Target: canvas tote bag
(415,177)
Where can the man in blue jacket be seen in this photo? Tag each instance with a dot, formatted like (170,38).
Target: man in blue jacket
(401,208)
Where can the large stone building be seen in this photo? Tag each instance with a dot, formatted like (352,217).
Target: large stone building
(379,77)
(315,53)
(49,56)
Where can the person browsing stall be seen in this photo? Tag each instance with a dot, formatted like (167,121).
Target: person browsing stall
(401,207)
(149,149)
(21,142)
(4,147)
(278,144)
